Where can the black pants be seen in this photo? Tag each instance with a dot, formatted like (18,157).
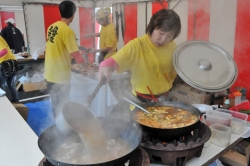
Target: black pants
(59,94)
(10,81)
(101,56)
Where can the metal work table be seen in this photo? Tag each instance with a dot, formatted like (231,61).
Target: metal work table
(29,60)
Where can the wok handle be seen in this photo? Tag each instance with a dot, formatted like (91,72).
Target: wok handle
(96,90)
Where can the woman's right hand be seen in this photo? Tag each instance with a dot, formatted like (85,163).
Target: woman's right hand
(105,72)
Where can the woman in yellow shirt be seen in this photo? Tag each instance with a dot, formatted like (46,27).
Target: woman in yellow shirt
(6,54)
(108,38)
(149,58)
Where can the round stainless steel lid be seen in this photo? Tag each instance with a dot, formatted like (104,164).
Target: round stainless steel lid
(205,66)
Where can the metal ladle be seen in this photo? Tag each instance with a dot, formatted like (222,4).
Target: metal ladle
(78,119)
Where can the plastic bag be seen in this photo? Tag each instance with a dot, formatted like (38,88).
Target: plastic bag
(36,77)
(39,51)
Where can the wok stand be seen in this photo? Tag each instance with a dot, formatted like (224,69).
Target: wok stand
(138,158)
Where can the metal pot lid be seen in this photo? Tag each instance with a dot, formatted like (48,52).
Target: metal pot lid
(205,66)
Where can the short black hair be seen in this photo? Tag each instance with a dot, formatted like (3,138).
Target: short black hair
(67,9)
(165,20)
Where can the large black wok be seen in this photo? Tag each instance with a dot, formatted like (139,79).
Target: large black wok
(51,139)
(170,134)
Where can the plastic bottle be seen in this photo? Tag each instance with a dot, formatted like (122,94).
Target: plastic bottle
(243,91)
(231,98)
(226,104)
(237,95)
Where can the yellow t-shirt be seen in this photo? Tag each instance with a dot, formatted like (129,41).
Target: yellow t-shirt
(108,39)
(9,55)
(150,65)
(60,44)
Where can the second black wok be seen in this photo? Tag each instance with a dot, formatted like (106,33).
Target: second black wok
(170,134)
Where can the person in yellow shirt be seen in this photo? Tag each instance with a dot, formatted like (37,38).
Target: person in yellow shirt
(6,54)
(61,46)
(149,58)
(108,38)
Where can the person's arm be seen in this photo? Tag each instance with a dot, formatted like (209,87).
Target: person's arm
(3,52)
(94,50)
(80,60)
(92,35)
(110,62)
(106,69)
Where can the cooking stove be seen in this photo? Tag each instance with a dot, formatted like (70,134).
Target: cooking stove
(178,151)
(174,153)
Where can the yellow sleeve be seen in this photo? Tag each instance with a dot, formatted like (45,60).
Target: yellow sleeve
(125,56)
(69,40)
(4,45)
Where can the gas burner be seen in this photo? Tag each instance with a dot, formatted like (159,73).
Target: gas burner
(45,162)
(186,139)
(138,158)
(176,152)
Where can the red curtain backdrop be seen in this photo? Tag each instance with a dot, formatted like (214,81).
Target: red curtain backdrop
(51,14)
(198,20)
(86,26)
(5,16)
(242,45)
(156,6)
(0,22)
(130,17)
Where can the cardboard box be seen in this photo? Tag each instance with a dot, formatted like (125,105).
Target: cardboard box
(32,86)
(234,158)
(22,109)
(182,92)
(41,57)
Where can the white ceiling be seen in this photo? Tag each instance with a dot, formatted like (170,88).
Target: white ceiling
(19,2)
(98,2)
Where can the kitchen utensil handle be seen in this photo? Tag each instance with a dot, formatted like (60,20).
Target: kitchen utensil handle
(143,109)
(97,88)
(133,98)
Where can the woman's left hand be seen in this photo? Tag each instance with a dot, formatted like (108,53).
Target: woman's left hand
(92,51)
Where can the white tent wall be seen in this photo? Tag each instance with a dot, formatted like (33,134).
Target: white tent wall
(35,22)
(222,21)
(226,24)
(88,3)
(19,18)
(182,9)
(35,27)
(34,17)
(144,14)
(223,24)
